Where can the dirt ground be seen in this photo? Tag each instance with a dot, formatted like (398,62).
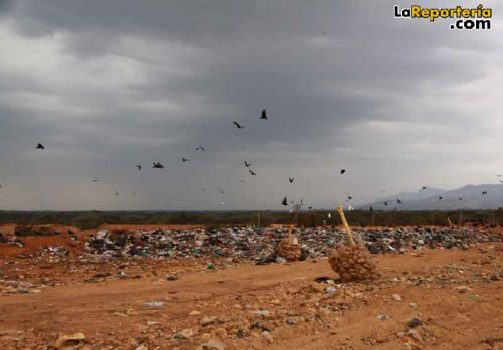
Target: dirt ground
(456,295)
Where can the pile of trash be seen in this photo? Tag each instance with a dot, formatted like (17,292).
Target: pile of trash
(52,252)
(258,244)
(402,239)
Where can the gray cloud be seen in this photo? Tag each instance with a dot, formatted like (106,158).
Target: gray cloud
(108,85)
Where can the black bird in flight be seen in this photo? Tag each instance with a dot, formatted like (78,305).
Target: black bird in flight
(117,193)
(484,192)
(242,181)
(184,159)
(264,114)
(284,202)
(139,167)
(398,201)
(40,146)
(247,164)
(310,207)
(252,172)
(291,179)
(200,148)
(343,171)
(424,187)
(157,165)
(386,204)
(440,197)
(349,198)
(498,175)
(93,180)
(239,126)
(460,198)
(371,209)
(221,190)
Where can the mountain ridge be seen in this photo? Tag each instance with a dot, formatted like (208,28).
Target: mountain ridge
(471,195)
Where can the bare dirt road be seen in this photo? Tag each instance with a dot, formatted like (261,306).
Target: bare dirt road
(456,297)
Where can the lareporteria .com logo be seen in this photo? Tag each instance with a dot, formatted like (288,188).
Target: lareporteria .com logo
(465,18)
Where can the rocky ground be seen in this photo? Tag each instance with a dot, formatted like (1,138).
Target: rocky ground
(425,299)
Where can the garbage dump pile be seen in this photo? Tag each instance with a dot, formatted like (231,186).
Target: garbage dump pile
(258,244)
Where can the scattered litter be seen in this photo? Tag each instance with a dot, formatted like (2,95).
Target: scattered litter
(171,277)
(184,334)
(155,304)
(463,289)
(263,313)
(280,260)
(396,297)
(414,323)
(330,290)
(212,344)
(206,321)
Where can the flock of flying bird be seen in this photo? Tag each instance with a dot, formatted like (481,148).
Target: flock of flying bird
(285,202)
(158,165)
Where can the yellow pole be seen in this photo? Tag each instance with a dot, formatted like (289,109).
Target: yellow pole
(346,226)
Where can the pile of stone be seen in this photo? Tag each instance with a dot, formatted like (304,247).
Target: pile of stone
(289,248)
(352,263)
(259,244)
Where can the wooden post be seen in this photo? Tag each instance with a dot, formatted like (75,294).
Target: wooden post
(346,226)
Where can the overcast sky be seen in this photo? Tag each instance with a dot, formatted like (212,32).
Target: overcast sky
(109,84)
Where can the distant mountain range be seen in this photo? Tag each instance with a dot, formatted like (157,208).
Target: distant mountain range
(438,199)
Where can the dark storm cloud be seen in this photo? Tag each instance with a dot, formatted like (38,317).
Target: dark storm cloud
(142,81)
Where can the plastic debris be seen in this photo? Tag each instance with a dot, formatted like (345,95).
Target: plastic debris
(155,304)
